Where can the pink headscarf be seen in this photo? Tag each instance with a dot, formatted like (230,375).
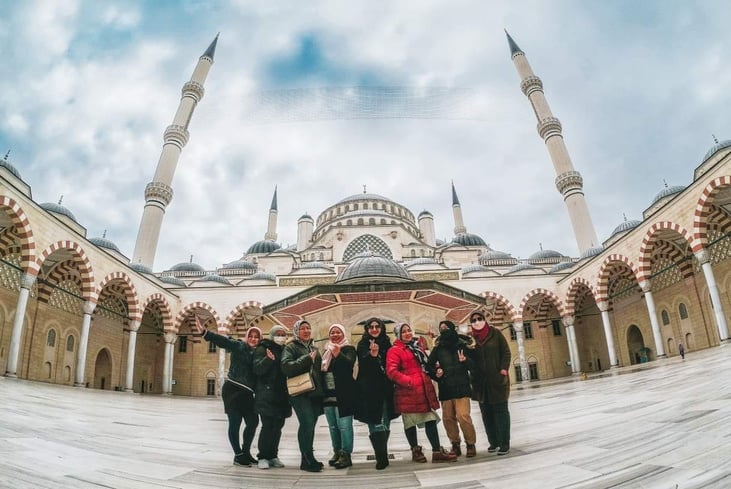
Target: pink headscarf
(328,355)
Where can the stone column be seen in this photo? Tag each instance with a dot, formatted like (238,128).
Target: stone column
(704,257)
(83,344)
(646,287)
(167,364)
(568,322)
(131,347)
(604,308)
(26,283)
(221,370)
(519,336)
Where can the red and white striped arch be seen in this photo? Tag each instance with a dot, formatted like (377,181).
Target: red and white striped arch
(546,293)
(162,304)
(572,294)
(130,293)
(602,289)
(80,259)
(703,209)
(241,308)
(648,244)
(25,234)
(508,309)
(191,308)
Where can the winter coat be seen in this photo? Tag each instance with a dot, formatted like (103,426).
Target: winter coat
(271,398)
(374,387)
(490,357)
(346,389)
(413,388)
(240,370)
(296,361)
(455,380)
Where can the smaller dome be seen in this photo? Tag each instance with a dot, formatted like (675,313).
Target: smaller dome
(564,265)
(213,277)
(104,243)
(425,213)
(626,226)
(368,267)
(58,209)
(187,266)
(173,281)
(439,242)
(468,239)
(140,268)
(492,255)
(474,268)
(305,217)
(716,148)
(240,265)
(421,261)
(314,264)
(545,254)
(591,252)
(263,246)
(522,266)
(5,162)
(666,192)
(263,276)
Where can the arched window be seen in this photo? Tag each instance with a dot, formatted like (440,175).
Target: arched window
(365,206)
(665,317)
(51,338)
(413,252)
(683,311)
(383,221)
(372,221)
(355,207)
(322,256)
(350,222)
(360,221)
(70,343)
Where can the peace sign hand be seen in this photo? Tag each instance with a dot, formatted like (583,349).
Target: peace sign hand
(460,355)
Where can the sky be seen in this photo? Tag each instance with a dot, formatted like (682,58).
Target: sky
(87,89)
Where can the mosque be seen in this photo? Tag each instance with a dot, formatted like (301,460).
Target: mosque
(75,310)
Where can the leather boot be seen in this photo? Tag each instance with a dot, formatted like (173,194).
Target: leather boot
(379,440)
(417,455)
(456,448)
(471,451)
(335,458)
(344,461)
(309,464)
(442,455)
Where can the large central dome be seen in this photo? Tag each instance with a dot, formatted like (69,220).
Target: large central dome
(364,196)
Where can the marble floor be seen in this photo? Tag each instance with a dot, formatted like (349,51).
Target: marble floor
(666,424)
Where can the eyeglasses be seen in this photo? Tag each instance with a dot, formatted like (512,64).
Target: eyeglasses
(474,320)
(374,326)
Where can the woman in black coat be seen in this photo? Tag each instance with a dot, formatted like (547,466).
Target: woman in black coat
(376,390)
(271,400)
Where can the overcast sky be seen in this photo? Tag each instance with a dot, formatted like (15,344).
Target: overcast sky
(87,89)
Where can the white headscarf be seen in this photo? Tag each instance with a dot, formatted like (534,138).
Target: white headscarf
(328,355)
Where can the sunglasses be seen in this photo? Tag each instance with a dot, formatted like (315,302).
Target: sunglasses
(374,326)
(474,320)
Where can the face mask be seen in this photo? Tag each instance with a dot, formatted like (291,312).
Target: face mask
(280,340)
(478,325)
(464,329)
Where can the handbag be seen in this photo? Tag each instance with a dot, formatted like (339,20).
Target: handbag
(300,384)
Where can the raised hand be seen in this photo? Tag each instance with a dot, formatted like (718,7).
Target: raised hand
(270,355)
(374,348)
(335,350)
(460,355)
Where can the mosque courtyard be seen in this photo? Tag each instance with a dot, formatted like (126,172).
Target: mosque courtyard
(664,424)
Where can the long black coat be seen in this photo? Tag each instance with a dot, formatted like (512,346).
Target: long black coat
(296,360)
(374,387)
(271,398)
(239,369)
(455,382)
(491,356)
(346,389)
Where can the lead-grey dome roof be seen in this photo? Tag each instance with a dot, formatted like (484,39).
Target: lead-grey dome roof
(588,253)
(58,209)
(544,254)
(213,277)
(315,264)
(421,261)
(263,276)
(564,265)
(173,281)
(240,265)
(11,168)
(626,226)
(468,239)
(104,243)
(474,268)
(522,266)
(187,266)
(716,148)
(355,197)
(263,246)
(666,192)
(368,267)
(493,255)
(140,268)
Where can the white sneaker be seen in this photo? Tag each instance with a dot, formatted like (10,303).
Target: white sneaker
(276,463)
(263,464)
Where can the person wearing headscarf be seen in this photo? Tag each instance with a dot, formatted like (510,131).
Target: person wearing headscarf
(340,395)
(238,390)
(301,356)
(375,388)
(491,383)
(271,400)
(450,364)
(414,396)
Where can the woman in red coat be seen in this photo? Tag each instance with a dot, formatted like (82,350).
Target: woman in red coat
(414,396)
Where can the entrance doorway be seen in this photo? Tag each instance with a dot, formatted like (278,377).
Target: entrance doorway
(103,370)
(638,352)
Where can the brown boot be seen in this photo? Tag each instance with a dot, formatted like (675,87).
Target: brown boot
(456,449)
(471,451)
(443,456)
(417,455)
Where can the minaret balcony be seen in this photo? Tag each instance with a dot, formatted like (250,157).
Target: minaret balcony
(159,192)
(193,90)
(177,135)
(570,181)
(531,84)
(548,127)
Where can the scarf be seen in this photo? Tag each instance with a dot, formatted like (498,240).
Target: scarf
(418,353)
(382,340)
(481,335)
(328,355)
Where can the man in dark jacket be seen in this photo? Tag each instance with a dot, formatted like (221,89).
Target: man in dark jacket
(490,382)
(450,364)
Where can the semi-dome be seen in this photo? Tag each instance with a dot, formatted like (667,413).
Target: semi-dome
(716,148)
(564,265)
(468,239)
(187,266)
(522,266)
(263,246)
(173,281)
(588,253)
(58,209)
(104,243)
(626,226)
(364,196)
(474,268)
(240,265)
(5,162)
(544,255)
(214,277)
(140,268)
(263,276)
(368,267)
(666,192)
(421,261)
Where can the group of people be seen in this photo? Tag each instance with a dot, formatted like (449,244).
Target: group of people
(374,382)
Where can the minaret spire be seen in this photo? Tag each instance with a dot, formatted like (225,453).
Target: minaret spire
(568,181)
(459,227)
(271,233)
(159,192)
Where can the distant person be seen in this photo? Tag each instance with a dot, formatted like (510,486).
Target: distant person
(414,396)
(450,364)
(238,390)
(375,388)
(681,350)
(490,382)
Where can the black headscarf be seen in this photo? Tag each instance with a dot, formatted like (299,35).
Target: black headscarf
(448,338)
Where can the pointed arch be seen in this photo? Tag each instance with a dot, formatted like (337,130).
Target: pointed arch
(502,307)
(192,307)
(24,233)
(130,293)
(81,260)
(703,209)
(602,288)
(165,311)
(571,295)
(552,297)
(228,324)
(648,244)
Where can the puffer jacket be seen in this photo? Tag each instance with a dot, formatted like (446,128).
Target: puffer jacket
(271,398)
(240,370)
(296,361)
(413,389)
(455,380)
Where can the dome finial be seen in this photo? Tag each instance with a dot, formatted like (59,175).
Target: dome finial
(60,199)
(624,215)
(540,245)
(665,182)
(364,189)
(6,155)
(191,258)
(104,234)
(715,139)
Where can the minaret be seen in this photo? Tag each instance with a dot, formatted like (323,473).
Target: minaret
(457,212)
(568,180)
(158,192)
(272,226)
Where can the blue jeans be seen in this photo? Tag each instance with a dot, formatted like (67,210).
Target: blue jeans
(384,425)
(341,429)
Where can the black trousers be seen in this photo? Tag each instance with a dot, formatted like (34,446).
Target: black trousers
(496,419)
(269,436)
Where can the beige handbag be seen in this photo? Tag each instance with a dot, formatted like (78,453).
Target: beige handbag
(300,384)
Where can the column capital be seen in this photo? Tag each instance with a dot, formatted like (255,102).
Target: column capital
(134,325)
(518,326)
(170,338)
(703,256)
(646,286)
(27,281)
(89,307)
(568,321)
(603,306)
